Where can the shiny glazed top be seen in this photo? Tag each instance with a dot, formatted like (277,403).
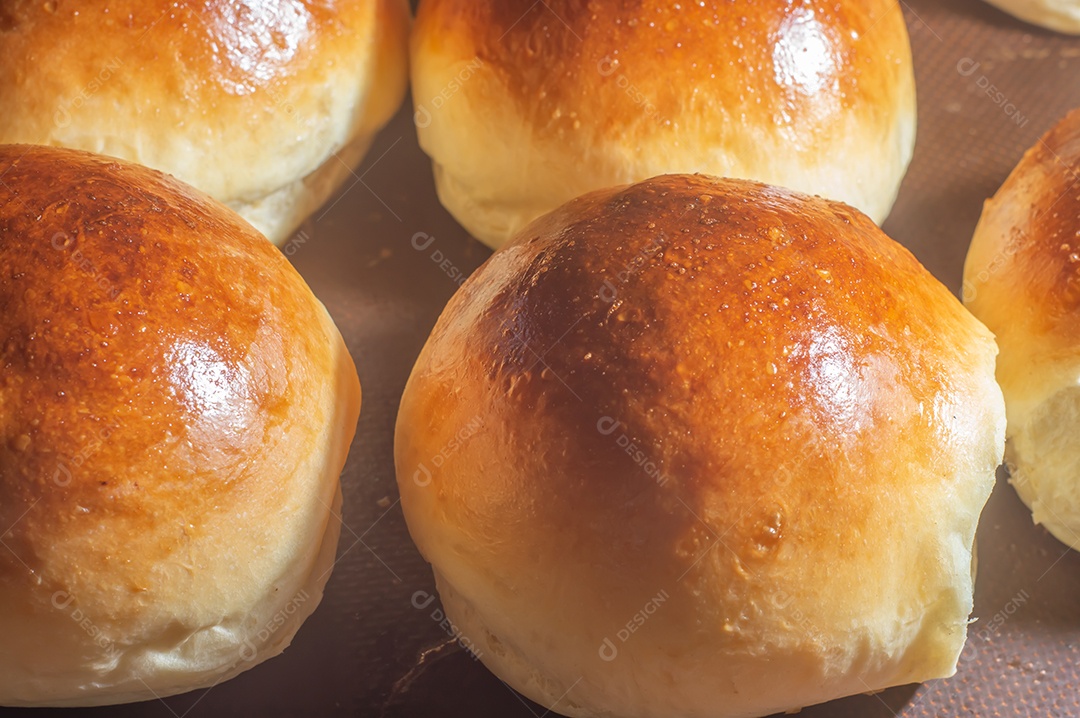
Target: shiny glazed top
(199,89)
(792,65)
(650,367)
(1022,274)
(158,359)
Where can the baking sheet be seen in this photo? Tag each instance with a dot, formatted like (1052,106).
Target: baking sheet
(988,86)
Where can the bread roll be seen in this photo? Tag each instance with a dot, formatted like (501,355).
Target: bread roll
(177,408)
(523,106)
(1022,278)
(702,447)
(266,105)
(1060,15)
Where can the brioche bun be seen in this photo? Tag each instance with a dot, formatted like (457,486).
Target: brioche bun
(704,448)
(523,106)
(1022,278)
(265,105)
(177,408)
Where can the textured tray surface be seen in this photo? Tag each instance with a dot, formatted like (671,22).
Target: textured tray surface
(1023,657)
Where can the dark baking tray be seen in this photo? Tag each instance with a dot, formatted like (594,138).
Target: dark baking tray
(988,86)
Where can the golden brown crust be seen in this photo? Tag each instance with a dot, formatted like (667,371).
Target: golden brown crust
(204,52)
(1037,262)
(818,300)
(789,68)
(157,354)
(223,48)
(203,90)
(733,394)
(1052,261)
(523,106)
